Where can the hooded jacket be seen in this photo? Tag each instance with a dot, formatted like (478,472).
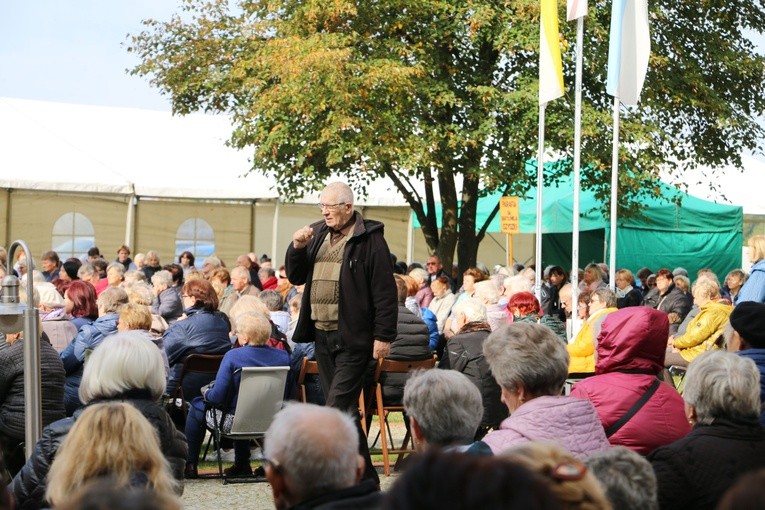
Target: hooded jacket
(368,301)
(631,350)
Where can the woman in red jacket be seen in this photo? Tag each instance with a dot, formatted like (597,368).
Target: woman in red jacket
(636,409)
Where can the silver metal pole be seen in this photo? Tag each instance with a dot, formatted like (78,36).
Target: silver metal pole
(577,163)
(32,376)
(614,196)
(540,186)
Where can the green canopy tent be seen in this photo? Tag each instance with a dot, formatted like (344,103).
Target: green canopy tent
(694,235)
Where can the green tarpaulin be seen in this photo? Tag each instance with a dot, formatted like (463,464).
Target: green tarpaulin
(693,235)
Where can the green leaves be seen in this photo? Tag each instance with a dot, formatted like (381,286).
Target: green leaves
(428,91)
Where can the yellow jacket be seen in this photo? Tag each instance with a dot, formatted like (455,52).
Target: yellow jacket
(582,350)
(704,330)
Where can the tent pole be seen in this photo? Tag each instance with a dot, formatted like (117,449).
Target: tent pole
(614,194)
(409,240)
(275,229)
(130,221)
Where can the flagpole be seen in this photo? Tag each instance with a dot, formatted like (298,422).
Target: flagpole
(577,161)
(614,195)
(540,186)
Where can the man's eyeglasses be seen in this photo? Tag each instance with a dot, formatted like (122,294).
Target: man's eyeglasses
(330,207)
(432,264)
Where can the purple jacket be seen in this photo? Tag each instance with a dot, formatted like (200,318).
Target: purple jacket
(572,423)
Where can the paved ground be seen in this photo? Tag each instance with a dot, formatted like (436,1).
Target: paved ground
(207,494)
(211,494)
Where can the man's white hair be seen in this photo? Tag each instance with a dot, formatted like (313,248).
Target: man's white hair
(316,446)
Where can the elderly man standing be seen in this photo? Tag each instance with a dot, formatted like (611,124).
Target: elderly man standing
(349,305)
(311,460)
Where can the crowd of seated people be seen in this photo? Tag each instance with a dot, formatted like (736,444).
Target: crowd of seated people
(492,425)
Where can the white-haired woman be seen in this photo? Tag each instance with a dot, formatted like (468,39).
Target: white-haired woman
(125,367)
(705,330)
(530,363)
(167,302)
(722,403)
(253,332)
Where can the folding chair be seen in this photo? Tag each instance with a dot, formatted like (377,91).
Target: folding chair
(308,367)
(389,366)
(678,377)
(573,378)
(197,364)
(261,396)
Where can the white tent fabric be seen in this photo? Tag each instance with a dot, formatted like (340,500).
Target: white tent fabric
(95,149)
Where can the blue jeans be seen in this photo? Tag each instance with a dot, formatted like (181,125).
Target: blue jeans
(195,435)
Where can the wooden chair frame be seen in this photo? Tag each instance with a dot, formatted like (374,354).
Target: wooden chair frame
(389,366)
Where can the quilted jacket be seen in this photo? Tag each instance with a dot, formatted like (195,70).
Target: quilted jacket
(704,330)
(571,422)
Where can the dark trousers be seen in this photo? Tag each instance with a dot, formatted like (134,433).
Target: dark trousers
(342,376)
(195,435)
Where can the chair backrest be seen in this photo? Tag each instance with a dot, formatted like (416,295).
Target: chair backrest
(400,367)
(307,367)
(261,395)
(201,364)
(198,364)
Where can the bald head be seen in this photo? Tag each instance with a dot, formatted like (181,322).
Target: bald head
(244,261)
(339,192)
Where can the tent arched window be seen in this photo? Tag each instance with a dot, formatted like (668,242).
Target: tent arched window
(73,235)
(198,237)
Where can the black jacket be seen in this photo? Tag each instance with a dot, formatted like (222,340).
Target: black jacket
(677,302)
(464,352)
(29,484)
(695,471)
(12,387)
(633,298)
(368,304)
(412,343)
(363,495)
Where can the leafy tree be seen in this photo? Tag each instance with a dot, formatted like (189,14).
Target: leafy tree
(444,93)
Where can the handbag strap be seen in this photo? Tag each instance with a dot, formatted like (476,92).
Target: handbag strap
(613,429)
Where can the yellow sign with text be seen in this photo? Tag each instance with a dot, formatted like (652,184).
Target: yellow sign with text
(509,215)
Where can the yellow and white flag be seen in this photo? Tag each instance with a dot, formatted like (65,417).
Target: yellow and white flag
(550,67)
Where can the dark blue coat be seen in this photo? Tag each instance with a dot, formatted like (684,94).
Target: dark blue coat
(202,332)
